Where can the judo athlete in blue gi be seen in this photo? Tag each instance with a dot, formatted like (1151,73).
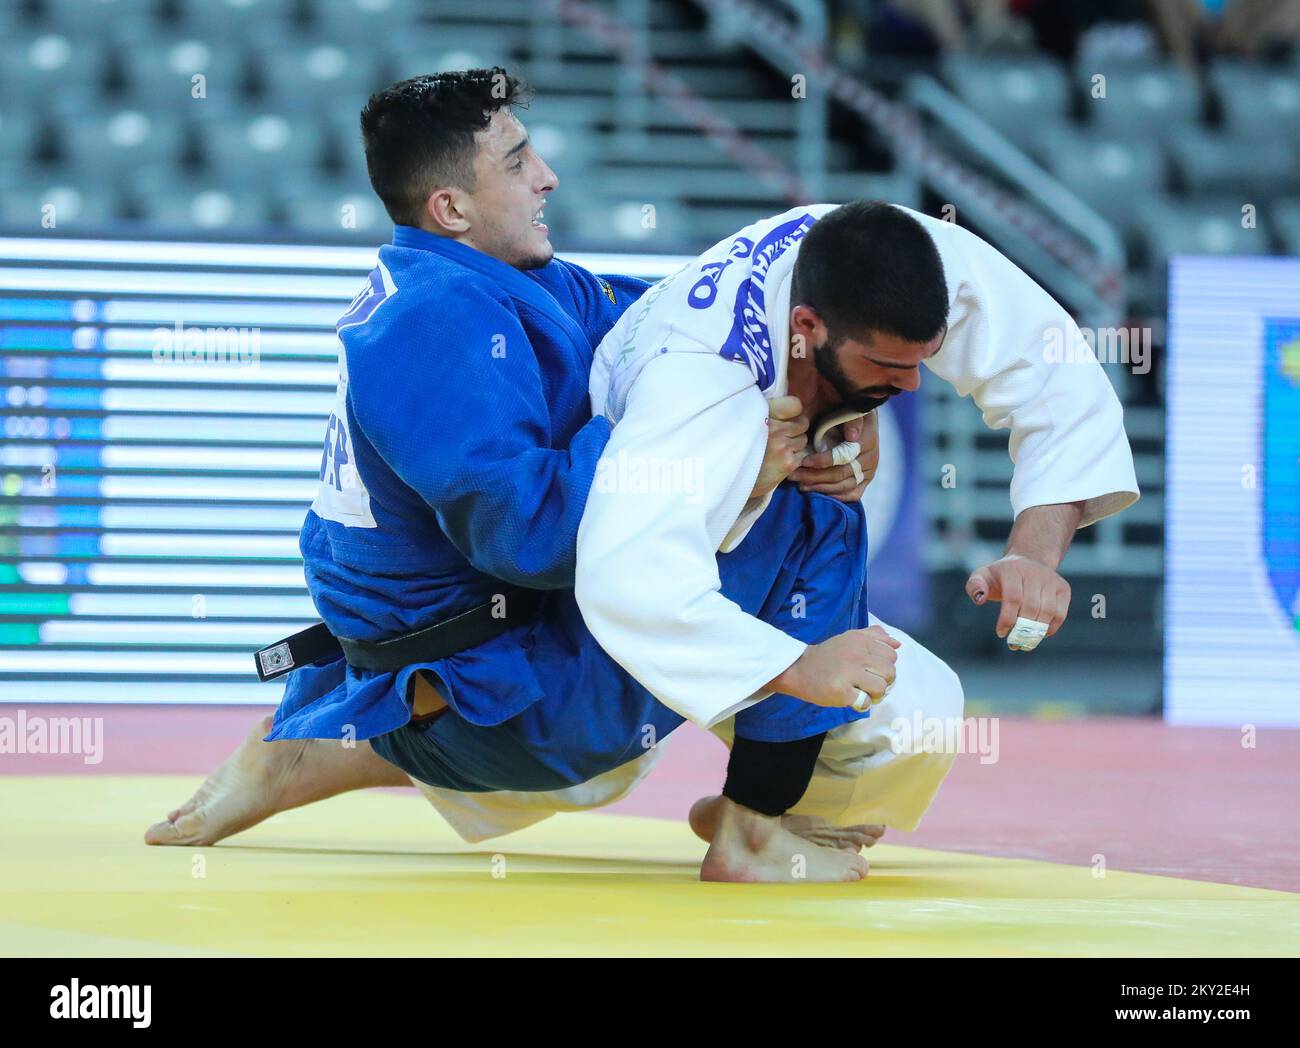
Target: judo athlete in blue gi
(455,468)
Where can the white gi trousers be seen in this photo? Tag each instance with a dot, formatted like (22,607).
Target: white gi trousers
(859,777)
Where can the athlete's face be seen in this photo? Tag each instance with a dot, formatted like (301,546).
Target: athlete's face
(861,374)
(511,184)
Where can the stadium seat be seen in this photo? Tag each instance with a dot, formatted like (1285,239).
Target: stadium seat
(718,185)
(20,136)
(1113,175)
(576,111)
(160,72)
(1257,102)
(337,211)
(252,20)
(362,22)
(347,156)
(601,76)
(122,140)
(50,70)
(197,205)
(651,221)
(245,148)
(1143,103)
(61,202)
(436,49)
(320,77)
(1212,162)
(1200,226)
(487,11)
(97,17)
(1015,97)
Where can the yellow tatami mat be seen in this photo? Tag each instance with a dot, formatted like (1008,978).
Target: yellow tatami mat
(379,873)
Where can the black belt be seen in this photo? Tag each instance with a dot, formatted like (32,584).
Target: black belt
(467,630)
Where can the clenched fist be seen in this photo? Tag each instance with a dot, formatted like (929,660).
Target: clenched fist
(787,444)
(788,455)
(817,473)
(833,672)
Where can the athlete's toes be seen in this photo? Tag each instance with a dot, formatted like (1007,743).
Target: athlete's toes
(857,870)
(162,833)
(188,829)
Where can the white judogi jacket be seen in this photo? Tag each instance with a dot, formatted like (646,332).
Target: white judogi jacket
(684,375)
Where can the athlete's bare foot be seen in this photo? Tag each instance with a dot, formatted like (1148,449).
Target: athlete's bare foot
(262,778)
(753,848)
(819,831)
(704,818)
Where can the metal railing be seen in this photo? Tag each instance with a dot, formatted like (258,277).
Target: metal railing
(1098,304)
(729,25)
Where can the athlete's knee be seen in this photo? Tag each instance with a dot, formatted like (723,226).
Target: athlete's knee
(926,684)
(941,693)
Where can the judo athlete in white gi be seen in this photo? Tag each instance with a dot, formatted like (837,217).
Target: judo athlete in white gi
(683,376)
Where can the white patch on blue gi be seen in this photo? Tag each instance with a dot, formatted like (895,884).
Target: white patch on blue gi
(341,495)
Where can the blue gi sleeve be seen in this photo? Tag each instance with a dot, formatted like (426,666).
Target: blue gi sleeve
(458,412)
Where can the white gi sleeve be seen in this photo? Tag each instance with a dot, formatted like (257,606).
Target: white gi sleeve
(647,579)
(1006,346)
(744,523)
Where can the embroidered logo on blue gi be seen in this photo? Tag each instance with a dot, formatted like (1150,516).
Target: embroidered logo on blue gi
(609,291)
(1280,524)
(750,340)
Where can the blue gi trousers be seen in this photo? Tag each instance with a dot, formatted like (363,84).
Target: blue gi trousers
(802,568)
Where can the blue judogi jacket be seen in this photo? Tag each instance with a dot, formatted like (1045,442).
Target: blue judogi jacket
(458,457)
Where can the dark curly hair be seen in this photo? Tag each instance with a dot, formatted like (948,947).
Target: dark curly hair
(419,133)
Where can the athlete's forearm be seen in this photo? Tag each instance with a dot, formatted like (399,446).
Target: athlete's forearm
(1044,533)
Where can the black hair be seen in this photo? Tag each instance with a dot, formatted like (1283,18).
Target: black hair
(869,266)
(419,133)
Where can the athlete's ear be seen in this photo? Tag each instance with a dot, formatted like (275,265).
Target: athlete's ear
(805,321)
(443,207)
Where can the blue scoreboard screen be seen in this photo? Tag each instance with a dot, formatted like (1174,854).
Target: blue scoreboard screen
(164,413)
(1232,461)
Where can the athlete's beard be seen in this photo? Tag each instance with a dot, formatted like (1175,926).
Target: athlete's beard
(865,399)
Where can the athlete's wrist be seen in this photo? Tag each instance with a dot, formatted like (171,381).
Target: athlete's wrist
(791,680)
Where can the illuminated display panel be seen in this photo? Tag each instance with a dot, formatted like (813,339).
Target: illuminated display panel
(164,411)
(1232,531)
